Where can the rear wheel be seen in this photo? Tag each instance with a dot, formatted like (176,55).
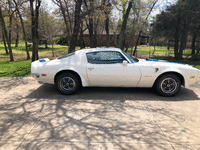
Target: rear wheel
(67,83)
(168,85)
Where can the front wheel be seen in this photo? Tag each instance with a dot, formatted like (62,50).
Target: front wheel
(168,85)
(67,83)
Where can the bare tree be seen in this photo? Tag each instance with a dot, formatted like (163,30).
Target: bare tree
(23,28)
(6,35)
(76,26)
(123,29)
(4,42)
(154,3)
(49,27)
(34,27)
(64,7)
(107,12)
(17,31)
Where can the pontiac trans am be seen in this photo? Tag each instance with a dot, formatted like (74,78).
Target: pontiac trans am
(111,67)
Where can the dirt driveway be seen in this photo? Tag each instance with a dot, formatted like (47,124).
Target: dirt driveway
(35,116)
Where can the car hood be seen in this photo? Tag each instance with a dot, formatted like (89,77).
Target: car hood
(162,63)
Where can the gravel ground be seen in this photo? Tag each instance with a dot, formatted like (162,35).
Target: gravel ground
(35,116)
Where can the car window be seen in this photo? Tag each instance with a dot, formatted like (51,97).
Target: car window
(68,55)
(108,57)
(133,60)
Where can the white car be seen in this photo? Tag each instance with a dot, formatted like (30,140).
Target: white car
(111,67)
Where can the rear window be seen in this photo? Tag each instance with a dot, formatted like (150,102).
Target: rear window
(68,55)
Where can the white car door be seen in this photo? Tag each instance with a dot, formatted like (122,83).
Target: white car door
(106,69)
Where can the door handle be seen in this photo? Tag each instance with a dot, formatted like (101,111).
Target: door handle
(90,69)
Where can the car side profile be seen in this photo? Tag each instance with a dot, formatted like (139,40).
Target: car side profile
(111,67)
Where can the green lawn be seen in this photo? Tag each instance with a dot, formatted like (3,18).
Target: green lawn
(19,52)
(14,69)
(22,67)
(158,50)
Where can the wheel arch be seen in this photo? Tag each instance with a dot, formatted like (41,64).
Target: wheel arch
(180,76)
(67,71)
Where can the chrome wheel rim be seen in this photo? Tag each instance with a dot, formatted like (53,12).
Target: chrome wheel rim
(168,85)
(67,84)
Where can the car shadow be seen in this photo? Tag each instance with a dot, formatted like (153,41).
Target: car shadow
(49,91)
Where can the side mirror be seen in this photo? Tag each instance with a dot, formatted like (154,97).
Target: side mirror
(125,62)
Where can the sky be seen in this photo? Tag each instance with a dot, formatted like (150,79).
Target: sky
(160,5)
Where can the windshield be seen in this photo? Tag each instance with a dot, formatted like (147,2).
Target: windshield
(133,60)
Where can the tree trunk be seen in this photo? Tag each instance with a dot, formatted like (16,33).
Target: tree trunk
(154,46)
(76,26)
(23,29)
(177,38)
(91,32)
(34,28)
(127,46)
(193,43)
(17,37)
(81,37)
(193,46)
(138,39)
(115,38)
(33,31)
(65,20)
(45,43)
(107,11)
(4,42)
(183,41)
(52,48)
(107,30)
(168,44)
(17,40)
(6,35)
(131,50)
(10,25)
(123,29)
(95,35)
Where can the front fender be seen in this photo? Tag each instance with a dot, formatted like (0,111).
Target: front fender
(189,75)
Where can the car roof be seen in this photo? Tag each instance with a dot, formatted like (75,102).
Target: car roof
(97,49)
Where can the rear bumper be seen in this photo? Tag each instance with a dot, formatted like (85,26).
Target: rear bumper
(199,76)
(35,75)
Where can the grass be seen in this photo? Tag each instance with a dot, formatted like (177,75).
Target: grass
(19,52)
(159,50)
(13,69)
(22,67)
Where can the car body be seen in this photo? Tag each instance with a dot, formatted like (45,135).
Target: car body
(111,67)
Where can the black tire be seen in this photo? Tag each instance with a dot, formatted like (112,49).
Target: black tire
(67,83)
(168,85)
